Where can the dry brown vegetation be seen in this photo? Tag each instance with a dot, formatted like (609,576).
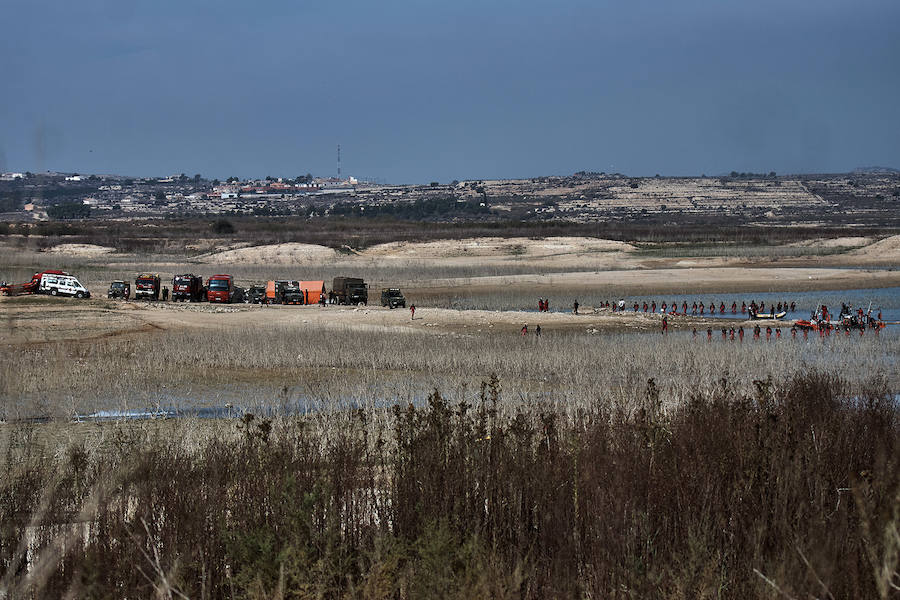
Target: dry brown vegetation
(309,365)
(791,489)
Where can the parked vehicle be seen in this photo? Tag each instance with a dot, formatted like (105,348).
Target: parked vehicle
(220,288)
(119,289)
(31,287)
(392,298)
(188,287)
(147,286)
(313,291)
(283,291)
(350,290)
(62,285)
(256,294)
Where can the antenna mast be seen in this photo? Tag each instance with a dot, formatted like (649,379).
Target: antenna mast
(339,161)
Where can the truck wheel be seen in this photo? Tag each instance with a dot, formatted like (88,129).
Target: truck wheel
(79,295)
(52,292)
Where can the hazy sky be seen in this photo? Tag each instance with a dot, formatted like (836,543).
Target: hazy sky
(422,91)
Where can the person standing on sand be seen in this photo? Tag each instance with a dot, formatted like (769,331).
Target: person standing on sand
(665,325)
(525,329)
(412,312)
(741,334)
(537,331)
(165,294)
(575,307)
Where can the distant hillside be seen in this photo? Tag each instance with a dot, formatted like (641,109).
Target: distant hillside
(876,170)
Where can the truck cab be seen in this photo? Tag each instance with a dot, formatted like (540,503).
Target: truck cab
(119,289)
(350,290)
(392,298)
(292,293)
(256,294)
(282,291)
(62,285)
(187,287)
(220,288)
(147,286)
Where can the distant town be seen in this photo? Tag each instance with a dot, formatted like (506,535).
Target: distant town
(866,197)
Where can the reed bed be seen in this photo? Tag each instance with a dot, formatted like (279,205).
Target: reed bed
(306,367)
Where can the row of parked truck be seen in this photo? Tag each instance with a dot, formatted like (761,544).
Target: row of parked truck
(218,288)
(221,288)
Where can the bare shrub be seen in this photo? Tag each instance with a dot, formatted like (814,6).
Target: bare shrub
(793,485)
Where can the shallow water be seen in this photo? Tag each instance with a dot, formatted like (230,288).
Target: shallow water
(887,300)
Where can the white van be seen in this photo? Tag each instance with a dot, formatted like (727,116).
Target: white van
(62,285)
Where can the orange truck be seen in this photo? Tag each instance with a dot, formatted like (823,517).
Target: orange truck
(313,291)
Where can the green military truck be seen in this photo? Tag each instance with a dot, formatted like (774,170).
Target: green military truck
(350,290)
(392,298)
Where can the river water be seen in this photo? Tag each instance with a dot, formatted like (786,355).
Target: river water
(887,300)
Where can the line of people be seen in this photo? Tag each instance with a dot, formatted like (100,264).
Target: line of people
(695,309)
(699,308)
(732,333)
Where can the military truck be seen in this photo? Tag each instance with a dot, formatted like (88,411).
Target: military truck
(350,290)
(392,298)
(119,289)
(281,291)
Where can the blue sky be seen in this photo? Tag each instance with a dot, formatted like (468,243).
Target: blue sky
(424,91)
